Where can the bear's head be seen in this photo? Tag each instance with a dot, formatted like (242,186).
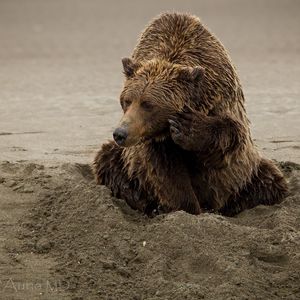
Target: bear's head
(153,92)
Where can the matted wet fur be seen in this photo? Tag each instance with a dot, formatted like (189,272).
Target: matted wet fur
(185,137)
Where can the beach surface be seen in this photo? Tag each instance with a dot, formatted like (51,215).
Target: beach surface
(63,237)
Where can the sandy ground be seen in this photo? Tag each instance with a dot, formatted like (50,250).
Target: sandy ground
(64,238)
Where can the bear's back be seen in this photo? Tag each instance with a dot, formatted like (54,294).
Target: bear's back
(181,39)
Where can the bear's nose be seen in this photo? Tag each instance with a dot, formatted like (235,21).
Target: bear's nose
(120,135)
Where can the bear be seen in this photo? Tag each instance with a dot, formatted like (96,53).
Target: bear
(184,141)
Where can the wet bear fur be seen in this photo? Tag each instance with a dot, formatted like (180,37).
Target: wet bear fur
(188,144)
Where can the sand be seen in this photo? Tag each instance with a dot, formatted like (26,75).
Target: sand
(63,237)
(93,246)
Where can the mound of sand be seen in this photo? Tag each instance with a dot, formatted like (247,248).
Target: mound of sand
(101,249)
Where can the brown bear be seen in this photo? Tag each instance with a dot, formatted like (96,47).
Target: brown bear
(184,141)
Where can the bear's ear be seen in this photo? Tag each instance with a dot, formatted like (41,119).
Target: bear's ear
(191,73)
(129,67)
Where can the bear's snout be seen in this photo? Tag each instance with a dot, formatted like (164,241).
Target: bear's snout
(120,135)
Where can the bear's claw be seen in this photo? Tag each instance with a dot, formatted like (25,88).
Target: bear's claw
(177,133)
(180,128)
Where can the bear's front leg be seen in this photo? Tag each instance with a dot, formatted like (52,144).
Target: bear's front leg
(210,136)
(167,173)
(177,196)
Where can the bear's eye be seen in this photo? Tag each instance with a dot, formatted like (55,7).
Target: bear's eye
(125,104)
(146,105)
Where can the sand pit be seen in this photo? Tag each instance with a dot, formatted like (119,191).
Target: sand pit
(98,248)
